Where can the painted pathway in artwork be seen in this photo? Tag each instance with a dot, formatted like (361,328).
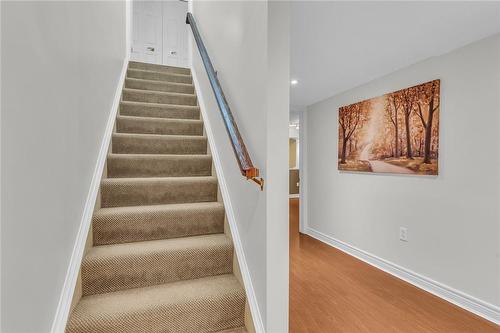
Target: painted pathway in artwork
(379,166)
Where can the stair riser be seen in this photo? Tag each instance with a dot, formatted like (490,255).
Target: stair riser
(153,224)
(151,166)
(152,145)
(159,111)
(159,68)
(159,97)
(103,275)
(166,77)
(158,126)
(155,192)
(159,86)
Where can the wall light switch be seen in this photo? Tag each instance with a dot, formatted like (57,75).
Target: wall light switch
(403,234)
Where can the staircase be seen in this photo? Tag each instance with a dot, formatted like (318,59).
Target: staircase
(161,260)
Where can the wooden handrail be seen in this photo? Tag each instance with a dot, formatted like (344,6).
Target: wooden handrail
(244,161)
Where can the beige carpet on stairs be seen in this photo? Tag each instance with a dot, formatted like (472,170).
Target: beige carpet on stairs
(160,260)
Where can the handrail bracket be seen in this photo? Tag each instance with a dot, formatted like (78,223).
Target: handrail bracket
(259,181)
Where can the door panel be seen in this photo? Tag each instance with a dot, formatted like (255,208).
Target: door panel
(147,32)
(175,33)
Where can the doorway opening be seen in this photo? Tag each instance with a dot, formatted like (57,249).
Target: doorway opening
(295,167)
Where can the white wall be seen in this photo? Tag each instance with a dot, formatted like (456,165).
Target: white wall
(453,219)
(60,64)
(246,49)
(1,202)
(278,83)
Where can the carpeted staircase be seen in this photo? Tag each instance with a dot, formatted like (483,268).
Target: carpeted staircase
(161,260)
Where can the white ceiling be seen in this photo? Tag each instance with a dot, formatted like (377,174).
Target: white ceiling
(336,46)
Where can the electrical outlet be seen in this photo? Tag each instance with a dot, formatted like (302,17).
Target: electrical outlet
(403,234)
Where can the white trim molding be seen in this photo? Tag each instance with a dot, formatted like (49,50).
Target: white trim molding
(64,305)
(481,308)
(231,218)
(303,180)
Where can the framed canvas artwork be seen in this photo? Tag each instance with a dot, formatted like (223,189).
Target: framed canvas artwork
(394,133)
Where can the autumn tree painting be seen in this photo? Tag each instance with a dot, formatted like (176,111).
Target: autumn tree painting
(395,133)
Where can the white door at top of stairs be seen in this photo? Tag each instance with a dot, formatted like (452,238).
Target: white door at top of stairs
(160,34)
(147,31)
(175,33)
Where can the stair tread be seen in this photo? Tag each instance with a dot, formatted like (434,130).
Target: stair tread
(142,180)
(159,85)
(158,110)
(156,92)
(135,63)
(164,126)
(140,158)
(159,156)
(190,85)
(113,225)
(164,120)
(166,136)
(137,143)
(169,293)
(148,208)
(234,330)
(158,67)
(108,268)
(152,71)
(161,105)
(160,76)
(162,97)
(172,304)
(160,245)
(119,192)
(158,165)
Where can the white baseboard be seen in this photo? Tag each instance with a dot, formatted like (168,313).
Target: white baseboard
(486,310)
(64,305)
(240,254)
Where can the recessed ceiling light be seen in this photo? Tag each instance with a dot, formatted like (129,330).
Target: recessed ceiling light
(294,82)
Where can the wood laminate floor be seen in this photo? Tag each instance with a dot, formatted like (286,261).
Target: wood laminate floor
(331,291)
